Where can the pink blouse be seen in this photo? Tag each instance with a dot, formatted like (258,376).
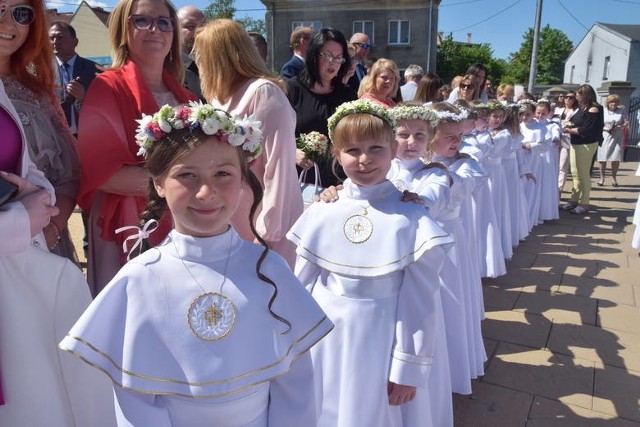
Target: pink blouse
(11,147)
(275,169)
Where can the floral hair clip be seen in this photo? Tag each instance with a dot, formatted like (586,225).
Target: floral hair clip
(415,112)
(234,130)
(359,106)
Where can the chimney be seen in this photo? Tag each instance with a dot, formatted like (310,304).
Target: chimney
(469,38)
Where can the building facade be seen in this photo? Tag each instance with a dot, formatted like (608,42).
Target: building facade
(404,31)
(608,52)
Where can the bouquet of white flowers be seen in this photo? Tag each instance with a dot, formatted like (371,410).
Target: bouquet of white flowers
(314,145)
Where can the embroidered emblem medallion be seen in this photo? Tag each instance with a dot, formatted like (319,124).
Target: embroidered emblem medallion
(358,228)
(211,316)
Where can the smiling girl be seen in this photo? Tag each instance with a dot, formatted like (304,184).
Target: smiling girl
(206,328)
(383,298)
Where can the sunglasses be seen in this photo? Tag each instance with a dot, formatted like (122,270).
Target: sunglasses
(21,14)
(332,59)
(146,22)
(363,45)
(464,86)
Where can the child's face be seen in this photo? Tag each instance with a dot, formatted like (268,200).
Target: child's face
(412,137)
(526,116)
(541,113)
(495,119)
(367,161)
(203,188)
(481,123)
(447,139)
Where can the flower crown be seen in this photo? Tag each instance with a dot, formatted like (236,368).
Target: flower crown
(415,112)
(523,102)
(490,106)
(234,130)
(452,117)
(359,106)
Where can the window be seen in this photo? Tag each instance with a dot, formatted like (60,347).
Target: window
(399,32)
(588,76)
(573,69)
(607,67)
(364,27)
(316,25)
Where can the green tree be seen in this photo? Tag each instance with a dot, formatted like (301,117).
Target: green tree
(220,9)
(253,25)
(554,48)
(455,57)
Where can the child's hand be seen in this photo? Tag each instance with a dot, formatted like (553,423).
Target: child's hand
(330,194)
(399,394)
(526,146)
(408,196)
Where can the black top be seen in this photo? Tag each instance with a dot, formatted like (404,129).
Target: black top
(589,126)
(312,112)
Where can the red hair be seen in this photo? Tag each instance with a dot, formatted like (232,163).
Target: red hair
(32,63)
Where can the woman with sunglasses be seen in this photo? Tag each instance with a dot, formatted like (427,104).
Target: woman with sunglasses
(41,294)
(585,132)
(147,72)
(479,73)
(50,143)
(316,93)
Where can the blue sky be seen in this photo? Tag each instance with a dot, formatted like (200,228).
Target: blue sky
(500,23)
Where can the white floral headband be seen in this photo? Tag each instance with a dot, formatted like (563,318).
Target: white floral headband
(452,117)
(359,106)
(415,112)
(234,130)
(523,102)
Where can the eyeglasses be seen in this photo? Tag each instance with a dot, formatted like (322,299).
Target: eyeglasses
(21,14)
(569,97)
(332,59)
(362,45)
(465,86)
(146,22)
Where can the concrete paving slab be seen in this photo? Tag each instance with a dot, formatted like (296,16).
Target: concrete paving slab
(552,413)
(622,275)
(602,289)
(557,306)
(496,299)
(527,329)
(491,406)
(620,317)
(608,347)
(542,373)
(617,392)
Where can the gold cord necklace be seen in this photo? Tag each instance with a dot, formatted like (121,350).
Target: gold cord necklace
(211,315)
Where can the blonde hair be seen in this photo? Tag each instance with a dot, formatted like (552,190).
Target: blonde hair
(118,27)
(226,58)
(361,126)
(613,98)
(506,90)
(380,66)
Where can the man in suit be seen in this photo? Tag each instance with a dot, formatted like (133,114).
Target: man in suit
(191,18)
(299,42)
(362,46)
(75,73)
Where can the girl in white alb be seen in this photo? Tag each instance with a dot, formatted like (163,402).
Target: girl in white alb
(550,162)
(382,297)
(206,328)
(534,135)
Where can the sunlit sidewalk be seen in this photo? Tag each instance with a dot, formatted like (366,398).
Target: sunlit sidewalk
(562,328)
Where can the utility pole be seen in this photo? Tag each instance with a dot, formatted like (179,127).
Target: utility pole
(534,52)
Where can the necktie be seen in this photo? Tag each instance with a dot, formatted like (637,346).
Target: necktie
(67,73)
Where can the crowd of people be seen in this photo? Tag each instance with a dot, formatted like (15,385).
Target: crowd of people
(213,296)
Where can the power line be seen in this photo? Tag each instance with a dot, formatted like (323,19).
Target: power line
(584,26)
(486,19)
